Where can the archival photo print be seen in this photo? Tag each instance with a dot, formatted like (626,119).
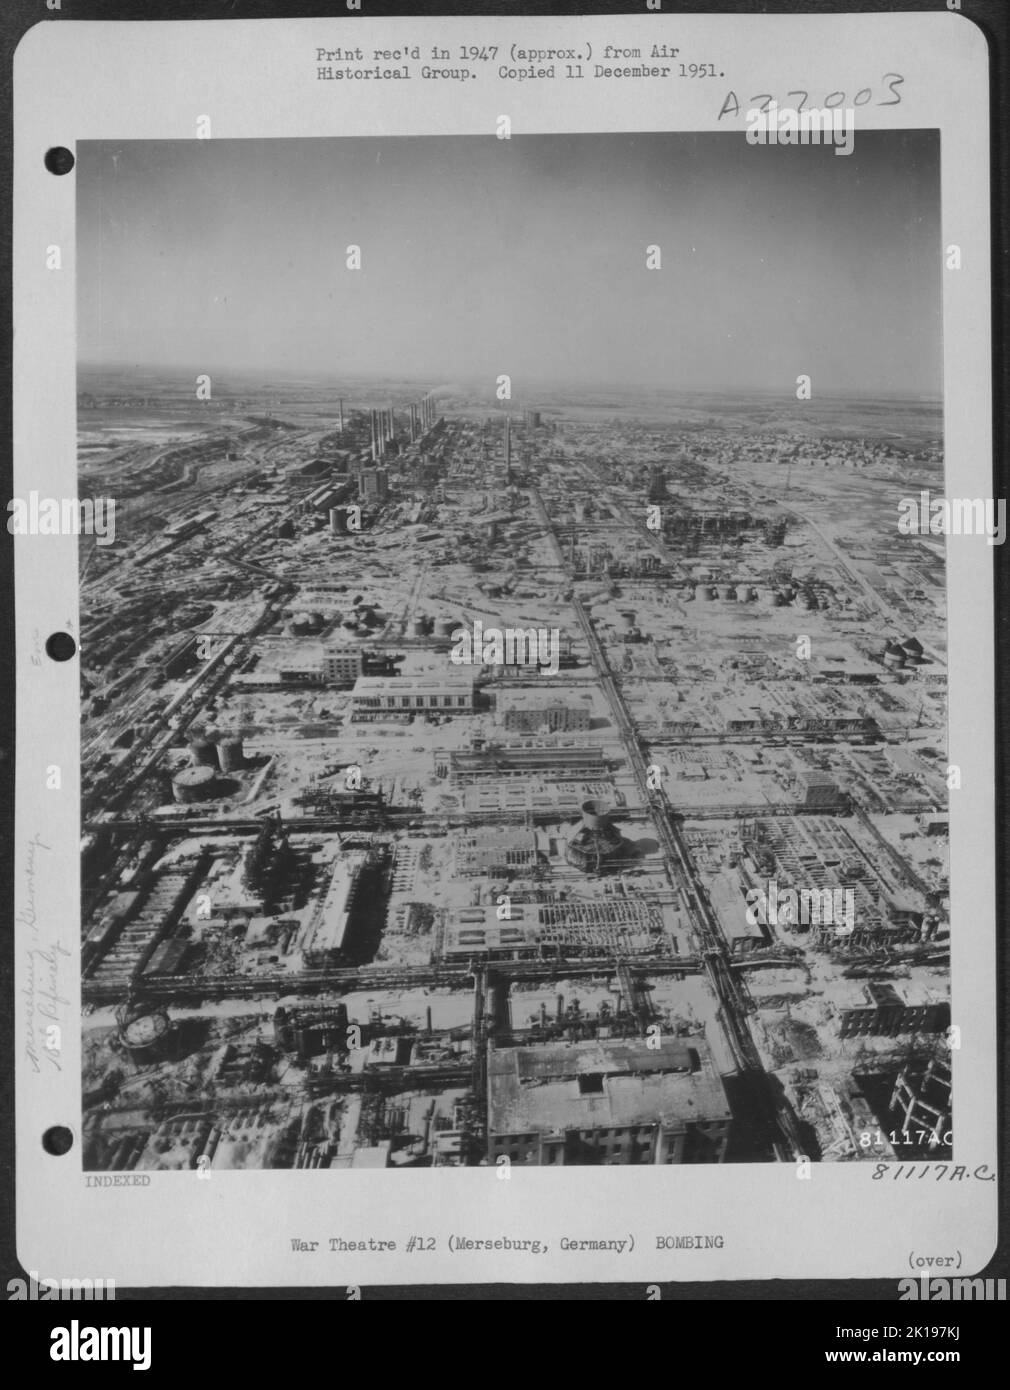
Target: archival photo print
(513,651)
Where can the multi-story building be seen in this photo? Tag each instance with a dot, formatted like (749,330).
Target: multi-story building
(342,666)
(532,711)
(373,484)
(612,1101)
(495,851)
(879,1008)
(376,697)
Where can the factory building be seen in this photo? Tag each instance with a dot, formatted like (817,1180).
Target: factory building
(565,930)
(742,935)
(536,711)
(343,667)
(880,1008)
(309,1032)
(612,1102)
(817,789)
(326,496)
(373,484)
(496,852)
(384,696)
(325,938)
(463,766)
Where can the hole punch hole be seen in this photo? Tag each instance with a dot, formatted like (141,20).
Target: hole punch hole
(60,646)
(57,1140)
(59,160)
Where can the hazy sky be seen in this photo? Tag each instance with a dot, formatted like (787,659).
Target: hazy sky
(482,256)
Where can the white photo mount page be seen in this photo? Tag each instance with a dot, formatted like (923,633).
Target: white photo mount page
(521,491)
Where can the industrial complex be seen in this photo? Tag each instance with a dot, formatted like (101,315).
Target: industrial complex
(350,900)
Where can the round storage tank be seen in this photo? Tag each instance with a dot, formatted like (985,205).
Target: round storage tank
(417,627)
(144,1036)
(893,655)
(445,627)
(727,591)
(703,592)
(203,753)
(230,754)
(193,784)
(743,593)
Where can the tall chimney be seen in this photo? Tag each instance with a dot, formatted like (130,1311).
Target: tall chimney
(341,416)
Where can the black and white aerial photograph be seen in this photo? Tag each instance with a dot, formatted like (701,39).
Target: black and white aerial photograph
(513,651)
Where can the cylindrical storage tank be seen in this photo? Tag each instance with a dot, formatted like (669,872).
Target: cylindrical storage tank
(768,596)
(744,593)
(703,592)
(893,655)
(300,625)
(193,784)
(145,1035)
(628,619)
(230,754)
(727,591)
(203,753)
(417,627)
(445,627)
(592,817)
(316,622)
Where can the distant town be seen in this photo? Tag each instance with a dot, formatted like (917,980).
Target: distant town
(353,900)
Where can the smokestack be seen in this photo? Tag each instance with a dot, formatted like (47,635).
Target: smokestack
(341,416)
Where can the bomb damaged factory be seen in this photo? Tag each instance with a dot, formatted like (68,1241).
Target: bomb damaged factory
(359,893)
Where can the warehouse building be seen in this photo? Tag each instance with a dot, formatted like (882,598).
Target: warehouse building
(612,1102)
